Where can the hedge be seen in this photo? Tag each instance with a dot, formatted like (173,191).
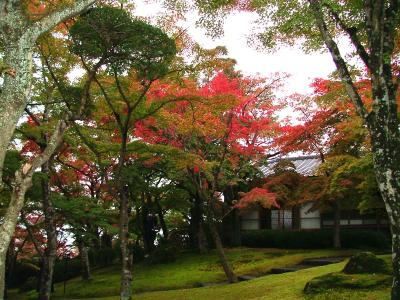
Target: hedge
(350,238)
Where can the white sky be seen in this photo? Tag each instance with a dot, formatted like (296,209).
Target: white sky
(292,60)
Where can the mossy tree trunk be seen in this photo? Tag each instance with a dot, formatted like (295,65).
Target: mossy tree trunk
(18,35)
(22,182)
(376,52)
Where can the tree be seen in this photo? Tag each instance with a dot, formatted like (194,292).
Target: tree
(220,137)
(372,28)
(135,54)
(19,31)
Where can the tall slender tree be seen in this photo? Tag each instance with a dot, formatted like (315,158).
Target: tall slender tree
(135,54)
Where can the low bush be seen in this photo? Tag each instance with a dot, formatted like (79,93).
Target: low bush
(319,239)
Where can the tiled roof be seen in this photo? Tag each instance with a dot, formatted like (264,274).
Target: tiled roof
(305,165)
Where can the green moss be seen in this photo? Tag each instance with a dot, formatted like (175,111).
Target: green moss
(346,281)
(176,280)
(365,262)
(188,271)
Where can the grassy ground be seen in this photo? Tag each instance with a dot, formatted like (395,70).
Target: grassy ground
(283,287)
(176,280)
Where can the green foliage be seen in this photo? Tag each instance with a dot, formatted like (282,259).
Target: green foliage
(356,177)
(12,163)
(83,210)
(284,165)
(286,22)
(365,262)
(315,239)
(111,35)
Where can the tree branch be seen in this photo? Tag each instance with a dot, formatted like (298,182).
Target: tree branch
(50,21)
(352,33)
(109,102)
(339,61)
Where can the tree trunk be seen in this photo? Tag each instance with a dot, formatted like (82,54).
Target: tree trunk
(18,36)
(85,263)
(202,244)
(197,224)
(231,220)
(198,237)
(126,256)
(15,91)
(49,257)
(148,246)
(382,121)
(336,225)
(10,221)
(10,265)
(161,218)
(390,190)
(232,278)
(22,182)
(396,264)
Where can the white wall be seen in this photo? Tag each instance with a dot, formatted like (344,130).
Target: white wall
(309,220)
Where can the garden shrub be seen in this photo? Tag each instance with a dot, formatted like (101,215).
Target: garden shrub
(319,239)
(365,262)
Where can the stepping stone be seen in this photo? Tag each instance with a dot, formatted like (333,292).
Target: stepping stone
(322,261)
(283,270)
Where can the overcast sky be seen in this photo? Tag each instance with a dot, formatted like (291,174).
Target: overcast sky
(302,68)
